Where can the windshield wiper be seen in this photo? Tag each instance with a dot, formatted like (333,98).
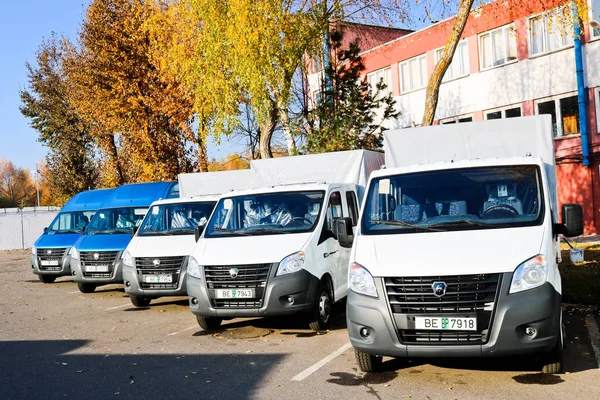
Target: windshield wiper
(463,222)
(67,231)
(269,230)
(180,232)
(404,224)
(233,231)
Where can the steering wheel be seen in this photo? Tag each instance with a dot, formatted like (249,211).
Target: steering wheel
(500,211)
(303,219)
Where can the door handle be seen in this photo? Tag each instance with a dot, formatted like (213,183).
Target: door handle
(325,255)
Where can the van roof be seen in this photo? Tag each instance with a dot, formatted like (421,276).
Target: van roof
(87,200)
(138,194)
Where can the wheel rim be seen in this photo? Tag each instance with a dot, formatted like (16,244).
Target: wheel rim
(324,307)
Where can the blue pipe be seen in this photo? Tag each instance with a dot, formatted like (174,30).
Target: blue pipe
(581,92)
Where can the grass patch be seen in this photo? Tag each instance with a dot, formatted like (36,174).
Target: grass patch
(581,281)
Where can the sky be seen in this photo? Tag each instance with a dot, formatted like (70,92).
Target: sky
(23,25)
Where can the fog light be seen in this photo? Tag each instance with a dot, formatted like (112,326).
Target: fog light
(194,300)
(365,332)
(74,273)
(530,331)
(127,283)
(290,300)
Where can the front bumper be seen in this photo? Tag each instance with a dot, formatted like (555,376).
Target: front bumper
(64,264)
(539,308)
(133,287)
(301,286)
(116,276)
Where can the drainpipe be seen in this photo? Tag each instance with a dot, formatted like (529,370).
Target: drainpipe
(581,91)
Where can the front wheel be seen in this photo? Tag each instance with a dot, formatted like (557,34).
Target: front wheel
(140,301)
(209,323)
(86,287)
(367,362)
(46,278)
(552,361)
(322,313)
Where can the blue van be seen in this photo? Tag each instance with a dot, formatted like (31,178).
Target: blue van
(96,256)
(49,255)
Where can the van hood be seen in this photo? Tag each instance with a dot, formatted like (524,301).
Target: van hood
(448,253)
(116,242)
(57,240)
(161,246)
(249,249)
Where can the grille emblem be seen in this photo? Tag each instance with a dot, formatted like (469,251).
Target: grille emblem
(439,288)
(96,256)
(156,262)
(48,252)
(233,272)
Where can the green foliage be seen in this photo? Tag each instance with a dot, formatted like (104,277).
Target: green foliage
(349,114)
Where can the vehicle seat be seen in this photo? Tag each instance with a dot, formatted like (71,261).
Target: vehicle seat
(408,212)
(451,207)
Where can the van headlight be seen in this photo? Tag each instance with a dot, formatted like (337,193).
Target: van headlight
(127,259)
(292,263)
(34,251)
(360,280)
(193,269)
(530,274)
(73,253)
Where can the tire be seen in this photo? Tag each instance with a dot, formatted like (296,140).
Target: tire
(46,278)
(86,287)
(140,301)
(321,316)
(367,362)
(209,323)
(552,361)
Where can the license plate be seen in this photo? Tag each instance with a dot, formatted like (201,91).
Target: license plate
(235,293)
(158,278)
(446,323)
(49,262)
(96,268)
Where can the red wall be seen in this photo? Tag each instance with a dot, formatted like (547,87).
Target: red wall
(574,186)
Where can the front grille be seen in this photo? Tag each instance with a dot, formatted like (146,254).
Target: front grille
(104,258)
(253,276)
(55,255)
(146,266)
(466,296)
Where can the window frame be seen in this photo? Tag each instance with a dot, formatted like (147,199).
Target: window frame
(437,58)
(448,120)
(387,79)
(597,101)
(506,34)
(592,11)
(352,199)
(545,15)
(557,98)
(403,89)
(502,110)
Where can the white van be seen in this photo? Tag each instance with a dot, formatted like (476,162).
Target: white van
(273,251)
(457,246)
(155,261)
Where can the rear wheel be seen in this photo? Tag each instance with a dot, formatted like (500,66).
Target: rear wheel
(367,362)
(209,323)
(47,278)
(86,287)
(140,301)
(321,315)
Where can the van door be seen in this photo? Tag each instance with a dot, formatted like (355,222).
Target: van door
(351,210)
(328,248)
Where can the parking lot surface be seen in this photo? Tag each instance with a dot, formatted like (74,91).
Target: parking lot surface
(57,343)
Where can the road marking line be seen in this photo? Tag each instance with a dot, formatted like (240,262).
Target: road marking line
(594,336)
(183,330)
(121,306)
(310,370)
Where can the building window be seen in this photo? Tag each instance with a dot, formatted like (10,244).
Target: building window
(498,47)
(459,66)
(595,16)
(550,31)
(564,111)
(413,73)
(374,77)
(597,98)
(457,120)
(505,112)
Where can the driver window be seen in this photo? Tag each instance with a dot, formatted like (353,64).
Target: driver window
(334,209)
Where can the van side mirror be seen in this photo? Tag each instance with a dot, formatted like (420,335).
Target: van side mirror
(133,231)
(198,232)
(345,236)
(45,229)
(572,220)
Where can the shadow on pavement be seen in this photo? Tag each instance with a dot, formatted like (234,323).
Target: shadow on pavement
(44,369)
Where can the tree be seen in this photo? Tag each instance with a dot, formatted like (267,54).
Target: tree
(346,115)
(141,115)
(72,166)
(16,186)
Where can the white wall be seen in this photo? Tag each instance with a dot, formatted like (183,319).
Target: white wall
(33,226)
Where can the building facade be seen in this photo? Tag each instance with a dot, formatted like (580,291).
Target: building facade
(512,60)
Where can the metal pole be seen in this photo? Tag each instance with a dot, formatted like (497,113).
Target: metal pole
(22,230)
(37,189)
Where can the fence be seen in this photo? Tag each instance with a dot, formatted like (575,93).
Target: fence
(20,229)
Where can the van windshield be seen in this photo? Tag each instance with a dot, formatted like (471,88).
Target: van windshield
(116,220)
(266,214)
(175,219)
(458,199)
(70,222)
